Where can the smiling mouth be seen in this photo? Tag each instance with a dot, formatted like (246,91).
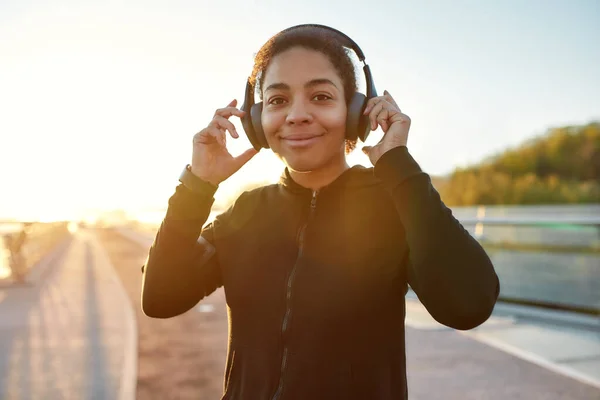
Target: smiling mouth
(301,140)
(300,137)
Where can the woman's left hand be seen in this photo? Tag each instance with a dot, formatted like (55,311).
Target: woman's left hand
(384,111)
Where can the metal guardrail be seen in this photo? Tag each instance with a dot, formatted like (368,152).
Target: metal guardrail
(554,223)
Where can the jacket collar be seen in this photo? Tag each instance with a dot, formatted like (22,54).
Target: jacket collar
(356,176)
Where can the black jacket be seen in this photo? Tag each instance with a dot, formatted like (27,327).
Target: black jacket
(315,282)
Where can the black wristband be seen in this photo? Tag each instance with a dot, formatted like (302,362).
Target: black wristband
(194,183)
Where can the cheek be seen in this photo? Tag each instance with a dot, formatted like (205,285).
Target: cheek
(271,122)
(335,120)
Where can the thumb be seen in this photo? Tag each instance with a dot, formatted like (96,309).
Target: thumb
(245,157)
(366,149)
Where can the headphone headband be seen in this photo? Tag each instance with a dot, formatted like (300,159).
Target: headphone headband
(349,42)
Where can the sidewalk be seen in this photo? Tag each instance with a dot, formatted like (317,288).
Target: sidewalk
(69,334)
(561,342)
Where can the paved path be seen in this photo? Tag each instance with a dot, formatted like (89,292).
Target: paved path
(444,364)
(69,335)
(561,342)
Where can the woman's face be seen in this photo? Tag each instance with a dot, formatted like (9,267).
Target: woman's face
(304,110)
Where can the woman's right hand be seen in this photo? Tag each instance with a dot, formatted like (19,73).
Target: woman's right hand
(211,161)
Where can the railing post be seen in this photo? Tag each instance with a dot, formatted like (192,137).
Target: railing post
(479,225)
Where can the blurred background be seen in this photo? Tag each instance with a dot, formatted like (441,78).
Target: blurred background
(99,102)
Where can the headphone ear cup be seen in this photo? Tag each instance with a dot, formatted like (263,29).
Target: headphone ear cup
(356,122)
(259,134)
(253,127)
(248,128)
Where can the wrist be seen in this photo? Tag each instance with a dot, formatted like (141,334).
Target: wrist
(375,157)
(201,176)
(195,182)
(391,146)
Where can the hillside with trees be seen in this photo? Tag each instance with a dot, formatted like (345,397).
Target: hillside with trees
(559,167)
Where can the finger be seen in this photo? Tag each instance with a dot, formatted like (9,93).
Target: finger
(229,111)
(383,123)
(210,135)
(389,113)
(371,103)
(366,149)
(223,135)
(382,119)
(224,123)
(374,113)
(389,98)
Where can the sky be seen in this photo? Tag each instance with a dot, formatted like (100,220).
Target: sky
(99,101)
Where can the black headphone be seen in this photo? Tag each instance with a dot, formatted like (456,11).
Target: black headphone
(357,124)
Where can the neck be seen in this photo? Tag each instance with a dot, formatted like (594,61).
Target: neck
(322,176)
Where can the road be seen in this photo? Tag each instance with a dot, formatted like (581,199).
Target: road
(68,335)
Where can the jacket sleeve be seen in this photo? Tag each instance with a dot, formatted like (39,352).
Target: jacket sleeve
(448,269)
(182,266)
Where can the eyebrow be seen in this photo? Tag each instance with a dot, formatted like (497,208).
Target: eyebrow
(309,84)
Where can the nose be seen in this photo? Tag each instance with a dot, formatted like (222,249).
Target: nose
(298,113)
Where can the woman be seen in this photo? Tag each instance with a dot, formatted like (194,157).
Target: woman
(315,268)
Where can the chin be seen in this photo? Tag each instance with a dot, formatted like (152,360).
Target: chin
(302,163)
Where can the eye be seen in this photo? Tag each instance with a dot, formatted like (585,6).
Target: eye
(322,97)
(276,101)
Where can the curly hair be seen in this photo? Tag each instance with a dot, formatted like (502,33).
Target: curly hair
(311,38)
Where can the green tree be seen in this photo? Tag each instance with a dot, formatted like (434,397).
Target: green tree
(561,166)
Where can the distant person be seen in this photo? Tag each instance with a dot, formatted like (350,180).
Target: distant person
(316,267)
(16,262)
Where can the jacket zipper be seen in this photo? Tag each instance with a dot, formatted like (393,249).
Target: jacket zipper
(288,308)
